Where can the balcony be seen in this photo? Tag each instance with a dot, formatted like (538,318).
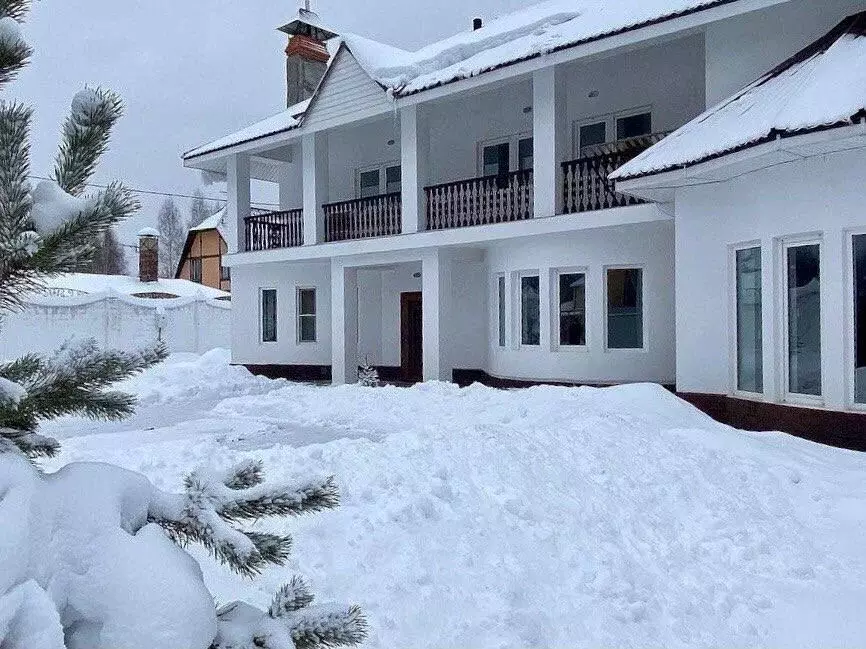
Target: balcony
(363,218)
(585,181)
(274,230)
(480,201)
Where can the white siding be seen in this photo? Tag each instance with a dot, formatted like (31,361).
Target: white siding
(347,94)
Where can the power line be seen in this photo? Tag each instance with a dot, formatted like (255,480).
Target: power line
(151,192)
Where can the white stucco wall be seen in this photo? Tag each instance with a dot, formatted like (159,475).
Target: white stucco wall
(360,146)
(822,197)
(648,245)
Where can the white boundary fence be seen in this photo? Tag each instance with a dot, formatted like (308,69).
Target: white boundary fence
(116,321)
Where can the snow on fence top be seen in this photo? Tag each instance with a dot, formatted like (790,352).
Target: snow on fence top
(536,30)
(88,283)
(822,86)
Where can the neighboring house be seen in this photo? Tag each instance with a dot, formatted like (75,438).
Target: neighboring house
(449,213)
(206,244)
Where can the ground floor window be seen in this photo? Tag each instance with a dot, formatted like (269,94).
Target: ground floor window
(269,315)
(750,350)
(307,315)
(804,318)
(572,309)
(500,290)
(624,308)
(530,311)
(859,247)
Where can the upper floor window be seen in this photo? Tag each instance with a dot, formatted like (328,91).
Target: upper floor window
(634,125)
(590,134)
(377,180)
(306,315)
(195,270)
(503,155)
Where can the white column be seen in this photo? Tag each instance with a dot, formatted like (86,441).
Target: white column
(315,164)
(435,289)
(414,154)
(238,190)
(549,133)
(344,323)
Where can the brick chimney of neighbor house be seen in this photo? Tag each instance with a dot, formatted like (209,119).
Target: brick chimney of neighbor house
(306,55)
(148,255)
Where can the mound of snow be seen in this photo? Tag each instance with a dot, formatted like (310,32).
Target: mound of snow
(548,517)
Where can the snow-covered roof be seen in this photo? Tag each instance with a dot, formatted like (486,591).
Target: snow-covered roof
(86,283)
(823,86)
(524,34)
(227,228)
(148,232)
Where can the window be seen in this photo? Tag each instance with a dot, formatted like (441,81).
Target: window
(500,287)
(591,135)
(750,349)
(393,180)
(572,309)
(495,159)
(306,315)
(530,311)
(195,270)
(269,315)
(859,248)
(524,154)
(368,183)
(225,274)
(378,180)
(624,308)
(633,126)
(804,318)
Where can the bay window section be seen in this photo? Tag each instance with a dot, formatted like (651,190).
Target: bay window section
(804,319)
(859,248)
(750,350)
(530,311)
(625,308)
(572,309)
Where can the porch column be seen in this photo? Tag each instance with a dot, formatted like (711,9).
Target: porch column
(549,141)
(315,173)
(238,199)
(434,299)
(344,323)
(414,150)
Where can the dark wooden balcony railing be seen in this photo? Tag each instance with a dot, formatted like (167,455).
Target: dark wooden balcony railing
(585,181)
(480,201)
(361,218)
(274,230)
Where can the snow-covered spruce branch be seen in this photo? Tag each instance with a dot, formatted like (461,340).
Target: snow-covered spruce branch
(14,51)
(72,381)
(212,503)
(290,623)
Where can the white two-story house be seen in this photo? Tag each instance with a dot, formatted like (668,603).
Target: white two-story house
(450,213)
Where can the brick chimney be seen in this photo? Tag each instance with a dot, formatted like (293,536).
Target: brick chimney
(306,55)
(148,255)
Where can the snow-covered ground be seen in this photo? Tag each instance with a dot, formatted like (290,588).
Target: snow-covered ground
(547,517)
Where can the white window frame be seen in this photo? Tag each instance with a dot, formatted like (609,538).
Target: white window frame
(643,349)
(557,306)
(513,141)
(501,342)
(610,124)
(786,244)
(382,168)
(849,327)
(518,309)
(299,315)
(261,310)
(733,378)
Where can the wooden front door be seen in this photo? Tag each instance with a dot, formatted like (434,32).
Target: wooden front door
(410,337)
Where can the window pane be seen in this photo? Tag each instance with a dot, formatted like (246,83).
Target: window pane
(501,287)
(392,180)
(625,308)
(269,315)
(307,328)
(524,154)
(860,318)
(496,159)
(633,126)
(195,270)
(369,183)
(307,301)
(572,309)
(592,134)
(804,320)
(750,350)
(530,311)
(225,273)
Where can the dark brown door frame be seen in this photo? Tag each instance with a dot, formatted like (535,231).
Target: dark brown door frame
(411,337)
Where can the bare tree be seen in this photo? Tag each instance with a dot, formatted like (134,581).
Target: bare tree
(109,258)
(201,208)
(172,236)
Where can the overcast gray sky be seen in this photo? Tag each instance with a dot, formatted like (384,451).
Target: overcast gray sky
(191,70)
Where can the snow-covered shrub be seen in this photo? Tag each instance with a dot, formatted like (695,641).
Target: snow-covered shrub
(368,376)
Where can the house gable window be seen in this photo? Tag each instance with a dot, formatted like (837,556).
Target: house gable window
(195,270)
(749,320)
(530,311)
(624,288)
(803,318)
(378,180)
(269,315)
(306,315)
(572,309)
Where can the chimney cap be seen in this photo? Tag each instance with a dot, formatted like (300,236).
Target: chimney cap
(477,23)
(307,23)
(148,232)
